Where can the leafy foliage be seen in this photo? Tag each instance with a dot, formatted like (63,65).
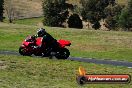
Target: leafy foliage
(93,11)
(125,19)
(112,15)
(55,12)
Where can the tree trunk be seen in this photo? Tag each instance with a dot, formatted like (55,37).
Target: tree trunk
(10,20)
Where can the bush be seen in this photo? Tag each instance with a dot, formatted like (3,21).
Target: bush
(111,22)
(74,21)
(96,25)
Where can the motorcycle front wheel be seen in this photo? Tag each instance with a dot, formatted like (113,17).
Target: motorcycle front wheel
(23,51)
(63,54)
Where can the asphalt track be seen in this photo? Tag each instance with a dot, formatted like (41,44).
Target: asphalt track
(87,60)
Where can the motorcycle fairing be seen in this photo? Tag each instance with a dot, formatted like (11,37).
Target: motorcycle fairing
(26,43)
(39,41)
(64,43)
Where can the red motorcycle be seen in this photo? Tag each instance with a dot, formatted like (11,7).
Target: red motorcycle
(28,48)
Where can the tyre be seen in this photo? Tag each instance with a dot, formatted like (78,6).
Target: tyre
(63,54)
(23,51)
(37,52)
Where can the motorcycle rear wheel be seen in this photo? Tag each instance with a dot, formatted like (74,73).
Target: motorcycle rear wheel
(63,54)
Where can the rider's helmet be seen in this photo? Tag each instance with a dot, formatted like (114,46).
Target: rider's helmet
(41,32)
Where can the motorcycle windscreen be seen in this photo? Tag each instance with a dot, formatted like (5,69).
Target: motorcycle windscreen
(64,43)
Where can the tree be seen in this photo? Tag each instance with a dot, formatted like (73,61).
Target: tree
(55,12)
(1,9)
(112,13)
(125,19)
(9,10)
(93,11)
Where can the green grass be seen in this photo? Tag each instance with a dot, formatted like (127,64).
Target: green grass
(29,72)
(30,21)
(85,43)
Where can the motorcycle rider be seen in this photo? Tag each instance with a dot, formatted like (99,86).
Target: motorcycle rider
(48,41)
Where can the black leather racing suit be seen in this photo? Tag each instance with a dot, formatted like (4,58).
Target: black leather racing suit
(48,42)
